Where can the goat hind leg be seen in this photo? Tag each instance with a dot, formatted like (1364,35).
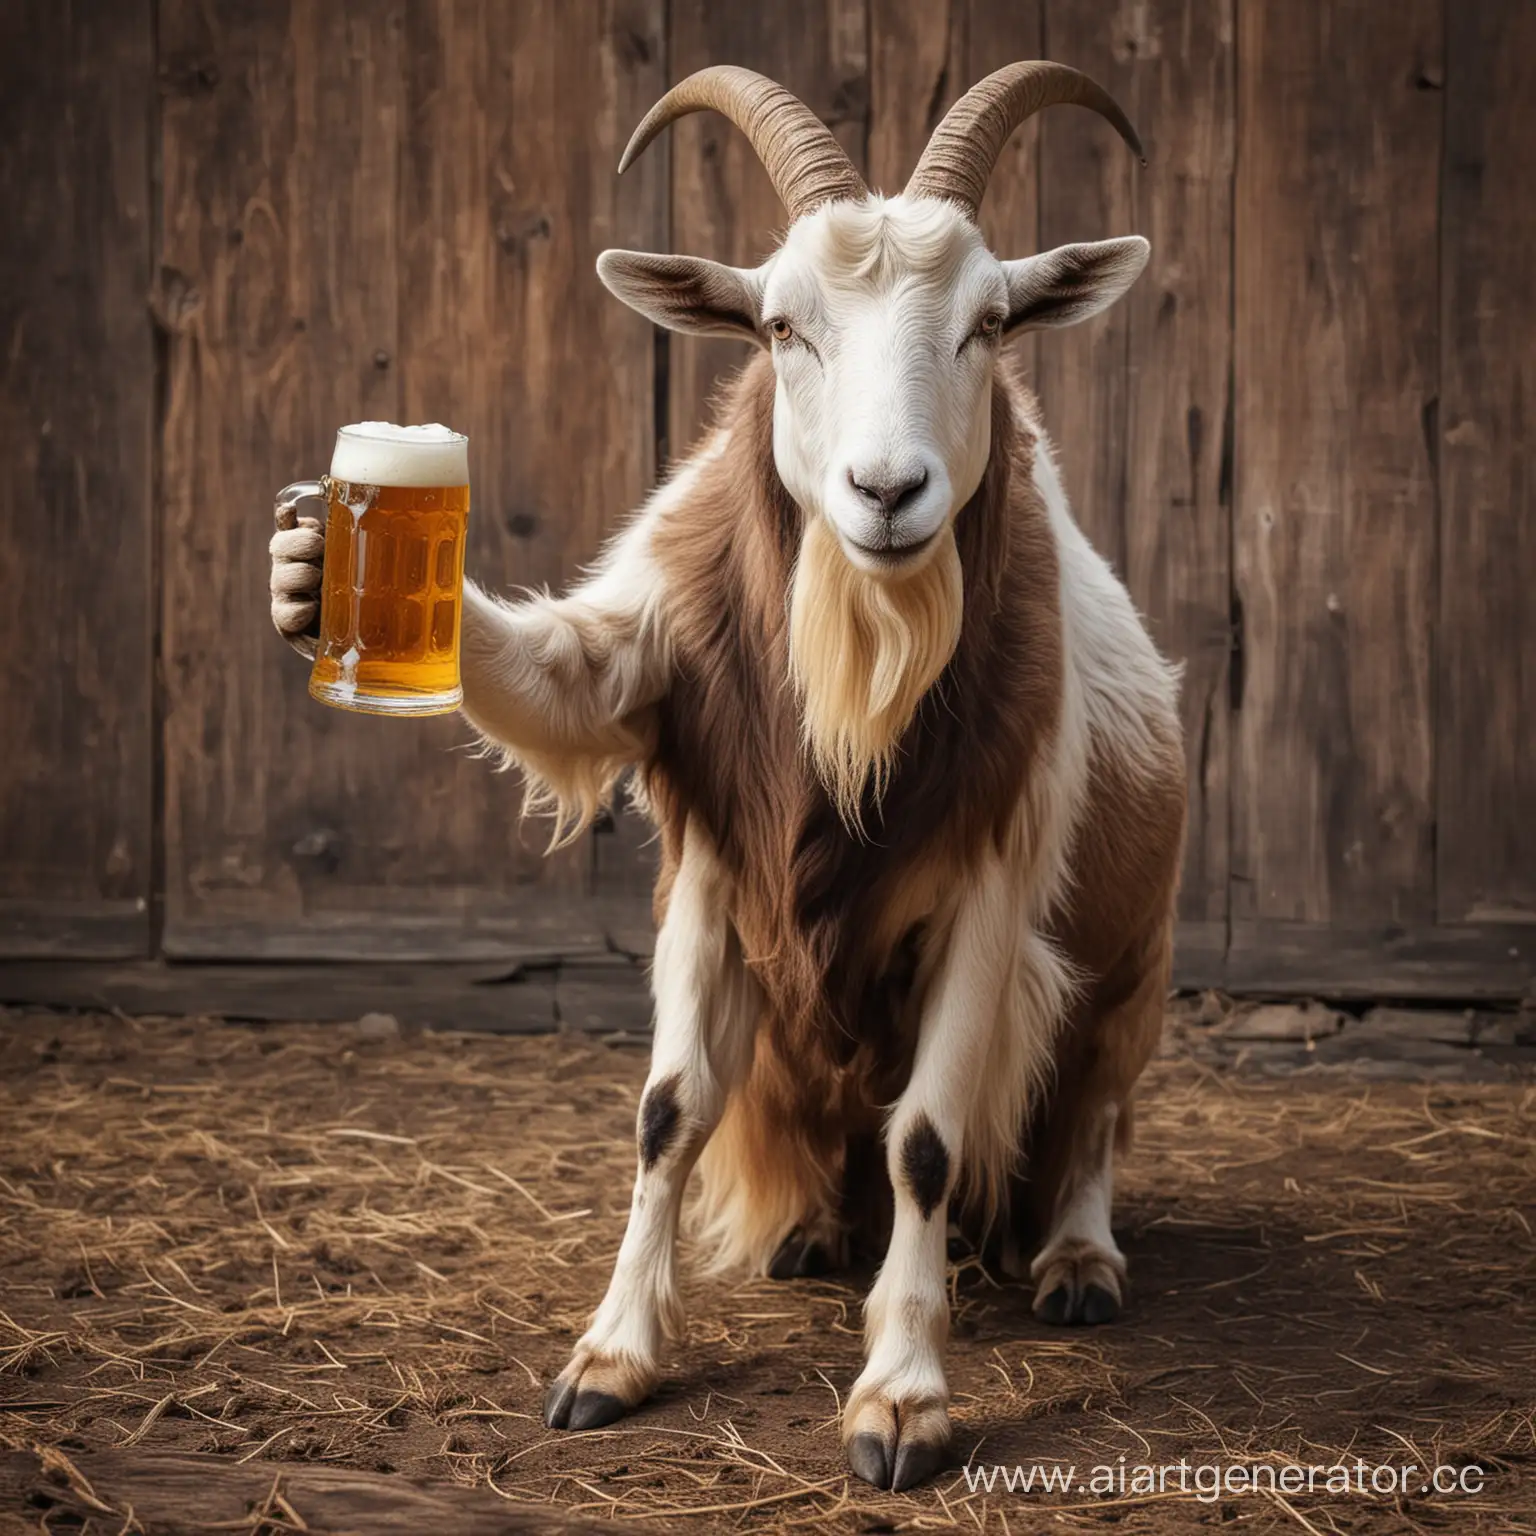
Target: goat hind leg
(1080,1272)
(857,1228)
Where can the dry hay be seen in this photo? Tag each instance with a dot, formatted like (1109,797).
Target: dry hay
(298,1244)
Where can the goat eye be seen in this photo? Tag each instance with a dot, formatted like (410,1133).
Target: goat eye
(991,325)
(780,330)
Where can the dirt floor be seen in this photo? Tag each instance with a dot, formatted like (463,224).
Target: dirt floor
(332,1257)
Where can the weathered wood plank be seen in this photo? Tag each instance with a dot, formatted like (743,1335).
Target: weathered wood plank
(919,62)
(280,132)
(1486,962)
(1138,400)
(441,996)
(516,116)
(1178,512)
(96,930)
(388,212)
(189,1495)
(502,929)
(999,32)
(723,205)
(532,990)
(602,999)
(76,420)
(596,993)
(1089,190)
(922,58)
(1489,962)
(1486,726)
(1334,534)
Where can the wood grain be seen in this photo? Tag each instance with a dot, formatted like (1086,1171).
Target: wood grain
(389,213)
(723,205)
(1334,535)
(1137,399)
(1177,509)
(76,416)
(922,59)
(514,131)
(1089,191)
(416,996)
(998,33)
(601,994)
(279,289)
(597,993)
(1491,962)
(1486,722)
(393,209)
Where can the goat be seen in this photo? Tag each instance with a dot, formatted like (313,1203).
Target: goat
(914,761)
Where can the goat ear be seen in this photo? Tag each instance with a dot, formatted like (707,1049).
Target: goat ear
(1073,282)
(686,293)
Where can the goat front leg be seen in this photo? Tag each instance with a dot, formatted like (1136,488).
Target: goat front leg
(707,1007)
(968,1076)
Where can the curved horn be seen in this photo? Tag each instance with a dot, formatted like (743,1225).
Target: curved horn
(805,163)
(958,161)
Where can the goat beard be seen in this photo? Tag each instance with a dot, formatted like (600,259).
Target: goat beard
(863,650)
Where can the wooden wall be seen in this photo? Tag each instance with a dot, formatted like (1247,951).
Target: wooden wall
(77,418)
(1302,438)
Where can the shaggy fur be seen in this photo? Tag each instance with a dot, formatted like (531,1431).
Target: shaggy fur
(787,710)
(833,924)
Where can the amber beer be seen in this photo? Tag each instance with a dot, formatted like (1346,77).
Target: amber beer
(391,597)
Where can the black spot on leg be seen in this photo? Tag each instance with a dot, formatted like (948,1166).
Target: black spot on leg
(659,1117)
(925,1165)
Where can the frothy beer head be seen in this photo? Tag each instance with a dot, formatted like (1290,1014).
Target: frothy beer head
(380,453)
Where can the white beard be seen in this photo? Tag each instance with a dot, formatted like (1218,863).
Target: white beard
(863,650)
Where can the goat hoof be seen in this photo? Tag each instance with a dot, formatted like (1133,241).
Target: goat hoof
(800,1258)
(916,1462)
(867,1456)
(593,1390)
(567,1408)
(1056,1308)
(592,1410)
(1098,1306)
(895,1445)
(557,1404)
(1082,1288)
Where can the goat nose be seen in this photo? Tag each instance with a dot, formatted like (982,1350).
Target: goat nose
(893,491)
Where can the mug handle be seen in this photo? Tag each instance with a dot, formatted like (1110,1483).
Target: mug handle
(295,581)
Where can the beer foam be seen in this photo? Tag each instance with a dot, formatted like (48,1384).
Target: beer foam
(380,453)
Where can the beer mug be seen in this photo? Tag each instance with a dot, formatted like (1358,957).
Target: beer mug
(391,594)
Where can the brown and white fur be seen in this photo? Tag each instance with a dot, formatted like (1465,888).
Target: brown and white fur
(919,789)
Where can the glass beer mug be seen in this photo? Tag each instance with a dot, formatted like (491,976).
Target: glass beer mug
(391,596)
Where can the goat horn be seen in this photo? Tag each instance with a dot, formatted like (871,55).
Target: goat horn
(960,156)
(805,163)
